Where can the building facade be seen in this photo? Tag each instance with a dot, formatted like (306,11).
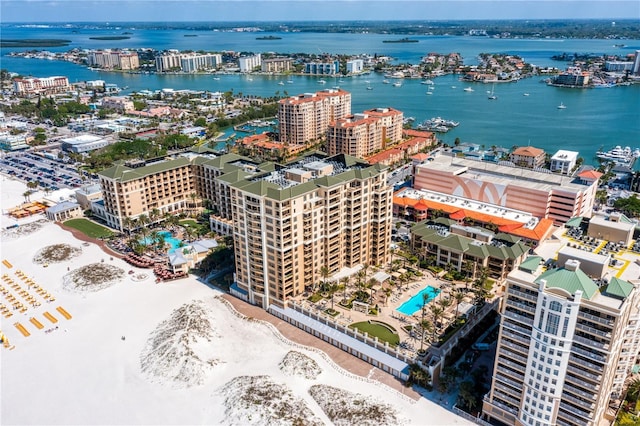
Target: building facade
(289,223)
(249,63)
(277,65)
(564,348)
(563,161)
(528,156)
(306,117)
(392,122)
(543,195)
(322,68)
(358,135)
(113,59)
(46,85)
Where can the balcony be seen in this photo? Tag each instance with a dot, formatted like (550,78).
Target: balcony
(592,343)
(512,326)
(515,337)
(600,320)
(588,406)
(511,345)
(583,364)
(511,373)
(586,329)
(517,385)
(504,396)
(588,354)
(522,306)
(581,375)
(523,295)
(512,355)
(519,318)
(575,390)
(504,407)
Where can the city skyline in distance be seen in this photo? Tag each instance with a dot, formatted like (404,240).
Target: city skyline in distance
(46,11)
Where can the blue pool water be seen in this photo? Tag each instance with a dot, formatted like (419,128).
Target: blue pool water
(414,304)
(168,238)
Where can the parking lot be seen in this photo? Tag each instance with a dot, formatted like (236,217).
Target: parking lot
(30,167)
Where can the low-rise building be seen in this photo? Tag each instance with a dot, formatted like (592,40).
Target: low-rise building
(88,194)
(83,143)
(64,211)
(528,156)
(277,65)
(563,161)
(46,85)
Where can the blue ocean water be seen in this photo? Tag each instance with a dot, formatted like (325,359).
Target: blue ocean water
(593,119)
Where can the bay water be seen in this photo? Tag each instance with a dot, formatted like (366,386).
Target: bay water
(593,119)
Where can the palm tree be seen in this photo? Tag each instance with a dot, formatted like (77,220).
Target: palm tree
(324,272)
(458,296)
(143,221)
(387,293)
(27,195)
(154,215)
(437,313)
(427,327)
(345,283)
(127,223)
(332,289)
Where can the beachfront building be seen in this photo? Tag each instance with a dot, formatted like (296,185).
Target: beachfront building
(44,86)
(573,77)
(173,60)
(358,135)
(528,156)
(9,142)
(543,195)
(565,347)
(305,118)
(293,220)
(563,161)
(64,211)
(322,68)
(277,65)
(88,194)
(355,66)
(113,59)
(249,63)
(131,191)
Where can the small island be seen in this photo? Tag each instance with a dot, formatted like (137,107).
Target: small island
(402,40)
(269,37)
(45,42)
(110,38)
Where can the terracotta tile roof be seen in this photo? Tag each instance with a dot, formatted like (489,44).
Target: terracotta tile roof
(528,151)
(420,157)
(590,174)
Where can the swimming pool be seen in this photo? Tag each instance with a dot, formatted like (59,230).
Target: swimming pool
(168,239)
(414,304)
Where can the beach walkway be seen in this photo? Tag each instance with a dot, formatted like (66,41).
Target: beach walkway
(340,357)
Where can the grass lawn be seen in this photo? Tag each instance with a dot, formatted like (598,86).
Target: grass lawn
(383,333)
(89,228)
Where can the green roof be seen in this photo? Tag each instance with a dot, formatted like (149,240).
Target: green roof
(125,173)
(530,264)
(574,222)
(570,281)
(619,288)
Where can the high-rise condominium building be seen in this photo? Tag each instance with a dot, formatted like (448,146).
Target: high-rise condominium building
(358,135)
(290,222)
(392,122)
(28,86)
(565,347)
(110,59)
(305,118)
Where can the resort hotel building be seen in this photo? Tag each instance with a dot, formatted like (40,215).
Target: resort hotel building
(567,342)
(543,195)
(287,222)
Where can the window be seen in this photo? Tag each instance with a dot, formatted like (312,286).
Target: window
(555,306)
(553,320)
(565,326)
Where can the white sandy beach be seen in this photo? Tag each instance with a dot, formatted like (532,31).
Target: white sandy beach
(83,372)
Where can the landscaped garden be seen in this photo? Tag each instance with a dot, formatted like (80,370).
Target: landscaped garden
(384,332)
(90,229)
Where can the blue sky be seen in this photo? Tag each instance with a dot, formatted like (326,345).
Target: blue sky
(309,10)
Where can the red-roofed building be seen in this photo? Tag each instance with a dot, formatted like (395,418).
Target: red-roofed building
(590,176)
(528,156)
(263,147)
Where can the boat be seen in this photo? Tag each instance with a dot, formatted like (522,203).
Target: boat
(429,82)
(397,84)
(429,93)
(270,37)
(492,95)
(468,89)
(402,40)
(619,155)
(525,94)
(453,87)
(385,81)
(437,124)
(369,88)
(322,82)
(216,78)
(290,81)
(562,106)
(281,83)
